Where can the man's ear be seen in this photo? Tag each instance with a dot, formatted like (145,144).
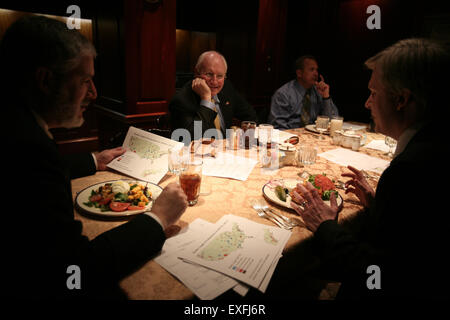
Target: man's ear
(403,99)
(299,73)
(43,78)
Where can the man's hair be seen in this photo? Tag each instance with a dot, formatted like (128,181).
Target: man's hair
(300,62)
(417,64)
(201,58)
(37,41)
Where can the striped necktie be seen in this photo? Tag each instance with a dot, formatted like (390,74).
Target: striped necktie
(216,120)
(306,111)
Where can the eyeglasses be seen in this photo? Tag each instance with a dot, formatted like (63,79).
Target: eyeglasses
(210,75)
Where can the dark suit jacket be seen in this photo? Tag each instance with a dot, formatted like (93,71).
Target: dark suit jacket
(40,238)
(185,108)
(405,232)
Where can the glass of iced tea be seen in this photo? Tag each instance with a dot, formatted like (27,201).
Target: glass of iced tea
(190,180)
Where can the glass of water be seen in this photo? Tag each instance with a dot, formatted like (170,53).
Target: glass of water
(322,124)
(306,156)
(178,159)
(392,144)
(265,134)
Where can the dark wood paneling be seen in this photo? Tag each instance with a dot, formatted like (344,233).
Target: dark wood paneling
(268,61)
(136,63)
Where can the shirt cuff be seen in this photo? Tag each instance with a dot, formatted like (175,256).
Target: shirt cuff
(95,160)
(154,216)
(207,104)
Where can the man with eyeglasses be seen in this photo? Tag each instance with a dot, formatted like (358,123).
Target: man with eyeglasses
(209,100)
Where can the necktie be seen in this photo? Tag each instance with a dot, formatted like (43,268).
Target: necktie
(216,120)
(306,112)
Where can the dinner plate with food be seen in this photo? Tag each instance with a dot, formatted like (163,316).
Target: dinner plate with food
(279,191)
(118,198)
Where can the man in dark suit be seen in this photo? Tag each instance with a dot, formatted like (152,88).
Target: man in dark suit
(396,246)
(46,82)
(209,101)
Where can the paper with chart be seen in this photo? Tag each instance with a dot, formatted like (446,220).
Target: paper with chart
(239,248)
(146,156)
(203,282)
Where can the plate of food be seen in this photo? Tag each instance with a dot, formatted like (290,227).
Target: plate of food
(118,198)
(279,191)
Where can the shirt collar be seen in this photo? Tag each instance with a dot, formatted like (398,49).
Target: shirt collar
(406,137)
(41,122)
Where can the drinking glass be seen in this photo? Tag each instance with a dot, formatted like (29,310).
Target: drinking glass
(391,143)
(177,159)
(322,125)
(234,135)
(190,180)
(336,124)
(306,156)
(265,134)
(248,128)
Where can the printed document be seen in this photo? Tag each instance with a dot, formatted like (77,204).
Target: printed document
(240,248)
(360,161)
(205,283)
(146,156)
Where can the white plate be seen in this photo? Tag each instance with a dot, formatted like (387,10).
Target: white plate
(83,196)
(312,128)
(269,193)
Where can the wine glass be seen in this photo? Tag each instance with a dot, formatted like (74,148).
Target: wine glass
(322,125)
(391,143)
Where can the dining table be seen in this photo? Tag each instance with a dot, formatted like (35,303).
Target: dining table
(229,196)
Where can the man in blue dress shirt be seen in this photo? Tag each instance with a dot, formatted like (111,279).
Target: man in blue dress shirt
(300,101)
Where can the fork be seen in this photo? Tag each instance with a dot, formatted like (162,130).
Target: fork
(259,206)
(264,215)
(291,221)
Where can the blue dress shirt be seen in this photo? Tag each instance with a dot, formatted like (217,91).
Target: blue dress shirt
(287,105)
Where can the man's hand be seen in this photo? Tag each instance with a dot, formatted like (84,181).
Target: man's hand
(201,88)
(170,205)
(322,88)
(106,156)
(359,186)
(314,210)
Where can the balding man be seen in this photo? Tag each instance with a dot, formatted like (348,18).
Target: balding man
(209,100)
